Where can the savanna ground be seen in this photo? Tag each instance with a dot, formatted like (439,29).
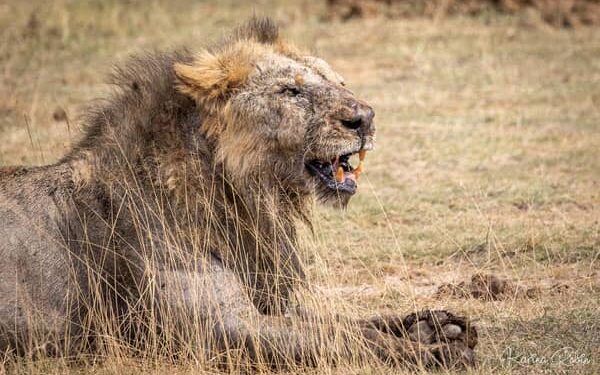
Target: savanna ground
(487,158)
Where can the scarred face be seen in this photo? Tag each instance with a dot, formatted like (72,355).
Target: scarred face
(278,112)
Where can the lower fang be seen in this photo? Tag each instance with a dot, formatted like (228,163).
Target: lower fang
(339,175)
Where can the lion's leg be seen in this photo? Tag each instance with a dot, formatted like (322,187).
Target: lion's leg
(284,342)
(450,338)
(211,297)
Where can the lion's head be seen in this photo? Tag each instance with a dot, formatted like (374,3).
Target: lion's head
(275,111)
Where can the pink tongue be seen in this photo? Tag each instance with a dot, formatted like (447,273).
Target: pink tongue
(349,175)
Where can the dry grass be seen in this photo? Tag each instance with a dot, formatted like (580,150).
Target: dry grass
(487,159)
(557,13)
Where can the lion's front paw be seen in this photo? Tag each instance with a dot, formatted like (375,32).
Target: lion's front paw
(449,339)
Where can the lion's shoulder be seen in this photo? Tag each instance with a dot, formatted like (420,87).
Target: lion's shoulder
(26,183)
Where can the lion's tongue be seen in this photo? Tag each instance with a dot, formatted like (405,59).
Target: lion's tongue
(341,176)
(349,175)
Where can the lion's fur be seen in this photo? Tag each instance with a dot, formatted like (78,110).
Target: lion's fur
(178,209)
(137,171)
(137,140)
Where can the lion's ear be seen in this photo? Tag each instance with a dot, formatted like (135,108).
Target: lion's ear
(212,77)
(324,68)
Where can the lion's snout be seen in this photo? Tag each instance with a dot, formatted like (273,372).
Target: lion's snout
(360,118)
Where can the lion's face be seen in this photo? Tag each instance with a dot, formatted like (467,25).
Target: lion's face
(286,118)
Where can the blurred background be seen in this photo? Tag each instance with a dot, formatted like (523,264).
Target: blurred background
(483,193)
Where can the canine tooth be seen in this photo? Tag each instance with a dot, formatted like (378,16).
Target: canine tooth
(362,154)
(339,175)
(358,170)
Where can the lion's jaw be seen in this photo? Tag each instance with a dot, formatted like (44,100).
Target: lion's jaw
(281,119)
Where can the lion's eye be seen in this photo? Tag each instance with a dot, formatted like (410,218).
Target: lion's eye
(290,91)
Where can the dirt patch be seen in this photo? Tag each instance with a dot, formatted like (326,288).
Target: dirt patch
(561,13)
(487,287)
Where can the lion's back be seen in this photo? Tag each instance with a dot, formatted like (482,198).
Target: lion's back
(30,193)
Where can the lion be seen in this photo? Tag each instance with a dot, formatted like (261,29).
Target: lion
(175,217)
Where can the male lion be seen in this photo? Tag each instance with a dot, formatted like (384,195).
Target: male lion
(173,221)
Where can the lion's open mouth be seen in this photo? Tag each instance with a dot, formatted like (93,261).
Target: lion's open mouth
(338,174)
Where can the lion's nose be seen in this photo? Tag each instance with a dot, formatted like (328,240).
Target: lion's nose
(362,118)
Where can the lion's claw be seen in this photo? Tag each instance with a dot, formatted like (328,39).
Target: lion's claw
(449,338)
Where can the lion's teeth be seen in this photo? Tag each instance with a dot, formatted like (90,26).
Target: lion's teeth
(339,175)
(362,154)
(358,170)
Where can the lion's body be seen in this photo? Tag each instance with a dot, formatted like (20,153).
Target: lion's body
(62,219)
(176,212)
(33,265)
(57,240)
(91,210)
